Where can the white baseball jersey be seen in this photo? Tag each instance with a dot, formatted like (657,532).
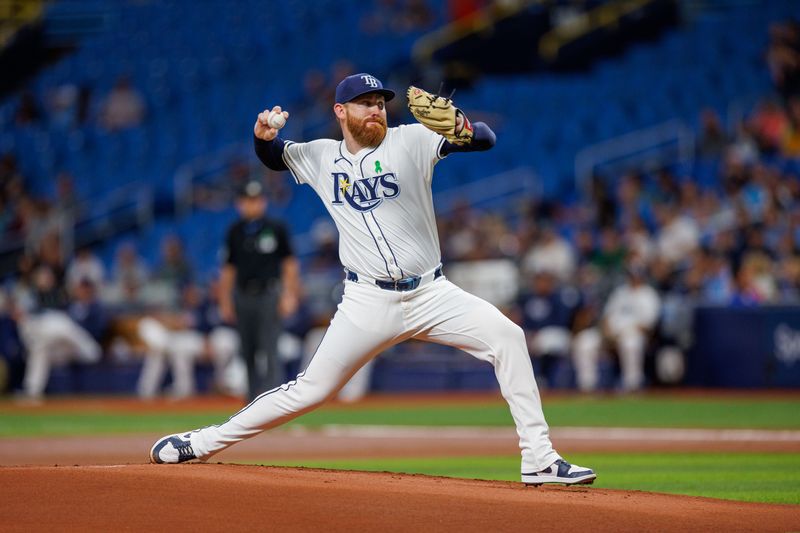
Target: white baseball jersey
(379,198)
(632,307)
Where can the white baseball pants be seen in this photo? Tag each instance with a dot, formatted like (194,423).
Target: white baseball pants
(53,338)
(630,343)
(368,321)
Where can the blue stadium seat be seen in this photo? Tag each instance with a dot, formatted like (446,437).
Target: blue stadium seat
(224,77)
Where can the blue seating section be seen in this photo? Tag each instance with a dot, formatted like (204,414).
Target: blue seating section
(714,60)
(206,68)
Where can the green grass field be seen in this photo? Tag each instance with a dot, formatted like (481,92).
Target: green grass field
(773,478)
(578,411)
(757,477)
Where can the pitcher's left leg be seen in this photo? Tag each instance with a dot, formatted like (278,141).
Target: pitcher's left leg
(448,315)
(445,314)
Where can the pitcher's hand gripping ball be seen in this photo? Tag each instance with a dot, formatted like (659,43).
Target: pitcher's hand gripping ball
(276,120)
(438,114)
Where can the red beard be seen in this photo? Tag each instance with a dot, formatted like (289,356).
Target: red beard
(369,133)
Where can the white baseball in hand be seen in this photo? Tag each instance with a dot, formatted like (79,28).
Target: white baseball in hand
(276,120)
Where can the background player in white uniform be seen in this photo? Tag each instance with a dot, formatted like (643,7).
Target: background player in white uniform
(376,184)
(629,317)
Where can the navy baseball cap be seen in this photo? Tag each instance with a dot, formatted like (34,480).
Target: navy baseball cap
(358,84)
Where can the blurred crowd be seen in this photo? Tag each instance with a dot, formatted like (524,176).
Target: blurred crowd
(617,273)
(70,106)
(26,216)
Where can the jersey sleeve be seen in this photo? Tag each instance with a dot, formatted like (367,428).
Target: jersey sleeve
(229,250)
(423,144)
(303,159)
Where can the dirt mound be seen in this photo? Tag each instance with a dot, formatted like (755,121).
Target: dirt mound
(216,497)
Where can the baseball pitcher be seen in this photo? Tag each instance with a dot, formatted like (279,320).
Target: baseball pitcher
(376,185)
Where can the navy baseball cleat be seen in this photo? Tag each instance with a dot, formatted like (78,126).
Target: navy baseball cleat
(175,448)
(561,472)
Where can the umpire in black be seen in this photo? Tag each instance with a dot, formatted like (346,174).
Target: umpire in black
(259,284)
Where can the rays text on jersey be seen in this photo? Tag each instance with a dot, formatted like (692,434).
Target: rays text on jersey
(365,194)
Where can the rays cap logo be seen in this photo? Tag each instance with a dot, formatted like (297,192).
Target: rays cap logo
(354,86)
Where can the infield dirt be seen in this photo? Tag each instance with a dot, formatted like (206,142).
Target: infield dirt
(100,483)
(218,497)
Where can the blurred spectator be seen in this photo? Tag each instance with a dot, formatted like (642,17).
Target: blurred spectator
(678,236)
(609,256)
(632,202)
(464,10)
(628,320)
(754,282)
(62,103)
(790,141)
(551,253)
(12,191)
(458,232)
(309,106)
(86,266)
(637,240)
(743,148)
(66,203)
(129,275)
(46,287)
(764,280)
(12,356)
(768,123)
(546,313)
(39,223)
(55,336)
(665,189)
(713,139)
(29,111)
(398,16)
(788,280)
(584,243)
(326,247)
(123,107)
(174,270)
(783,57)
(9,170)
(605,210)
(715,280)
(754,194)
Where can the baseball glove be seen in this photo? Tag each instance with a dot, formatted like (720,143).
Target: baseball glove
(438,114)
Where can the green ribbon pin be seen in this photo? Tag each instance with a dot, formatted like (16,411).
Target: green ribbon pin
(378,166)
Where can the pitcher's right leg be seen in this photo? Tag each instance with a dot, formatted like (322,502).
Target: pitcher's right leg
(345,348)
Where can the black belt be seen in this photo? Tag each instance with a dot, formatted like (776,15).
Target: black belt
(405,284)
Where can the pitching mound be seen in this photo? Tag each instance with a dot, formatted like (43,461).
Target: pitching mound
(217,497)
